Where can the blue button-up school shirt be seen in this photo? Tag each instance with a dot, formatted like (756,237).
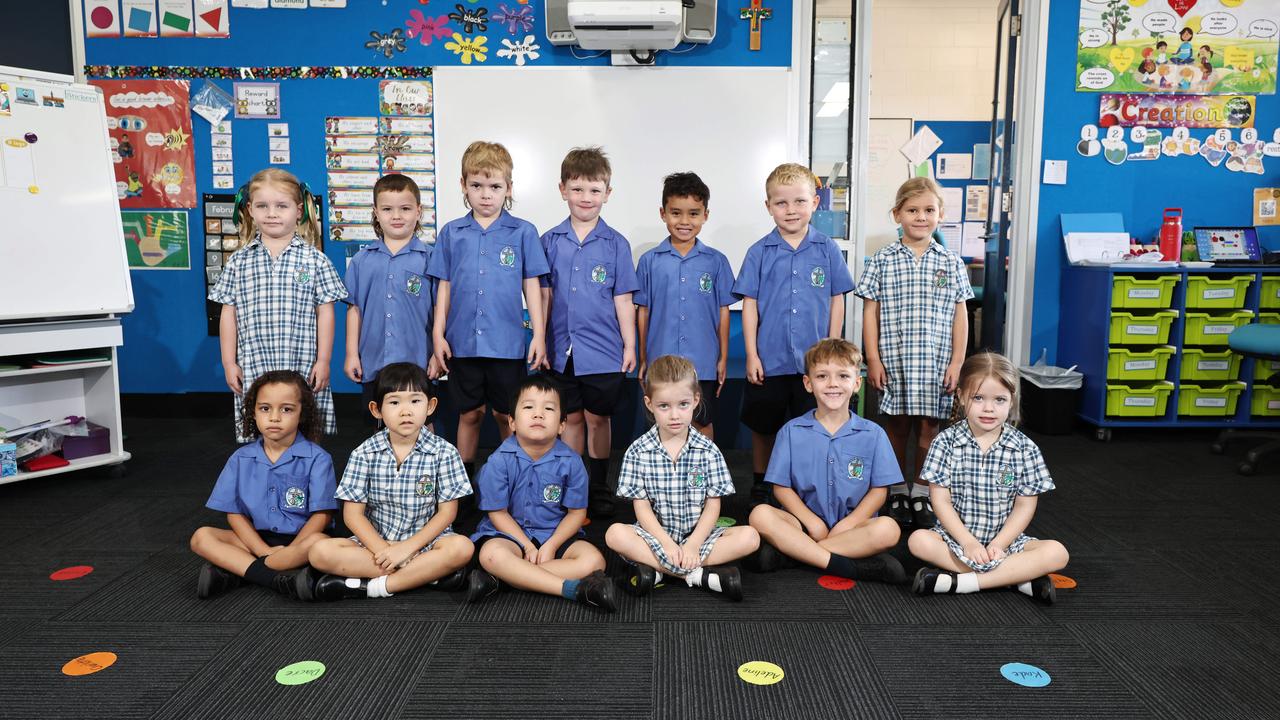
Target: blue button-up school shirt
(486,270)
(684,295)
(832,473)
(793,291)
(584,279)
(537,494)
(396,298)
(278,496)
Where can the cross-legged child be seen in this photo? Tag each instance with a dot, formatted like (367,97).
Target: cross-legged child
(675,478)
(915,330)
(591,321)
(534,491)
(985,480)
(686,288)
(792,284)
(829,472)
(277,492)
(400,493)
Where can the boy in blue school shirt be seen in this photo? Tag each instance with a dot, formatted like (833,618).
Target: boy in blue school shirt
(590,315)
(388,289)
(686,288)
(792,284)
(484,260)
(830,473)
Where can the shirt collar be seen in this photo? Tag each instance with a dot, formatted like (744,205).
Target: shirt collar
(504,219)
(811,236)
(933,247)
(855,424)
(415,244)
(600,231)
(511,446)
(1010,438)
(426,442)
(296,241)
(666,247)
(652,442)
(300,448)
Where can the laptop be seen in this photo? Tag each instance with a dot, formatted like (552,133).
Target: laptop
(1228,245)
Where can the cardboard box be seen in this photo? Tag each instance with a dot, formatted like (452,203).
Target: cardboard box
(97,442)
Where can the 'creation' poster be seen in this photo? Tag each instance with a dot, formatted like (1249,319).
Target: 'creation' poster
(1196,47)
(150,128)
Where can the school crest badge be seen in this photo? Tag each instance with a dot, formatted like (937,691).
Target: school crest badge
(507,256)
(704,282)
(697,478)
(303,277)
(552,493)
(940,278)
(295,497)
(425,486)
(599,274)
(818,277)
(413,285)
(1007,475)
(855,469)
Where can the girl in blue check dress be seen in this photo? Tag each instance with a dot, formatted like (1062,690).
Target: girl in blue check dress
(675,478)
(915,331)
(277,292)
(986,478)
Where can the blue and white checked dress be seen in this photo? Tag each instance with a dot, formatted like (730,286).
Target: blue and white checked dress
(917,311)
(275,302)
(677,491)
(401,501)
(984,486)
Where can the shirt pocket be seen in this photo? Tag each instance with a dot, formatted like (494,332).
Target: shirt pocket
(295,495)
(504,256)
(548,499)
(819,276)
(600,276)
(853,473)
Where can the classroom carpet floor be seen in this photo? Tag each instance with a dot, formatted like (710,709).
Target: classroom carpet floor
(1174,613)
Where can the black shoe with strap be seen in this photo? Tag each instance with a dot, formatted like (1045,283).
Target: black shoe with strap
(640,579)
(1042,589)
(451,582)
(927,579)
(480,585)
(922,513)
(730,581)
(328,588)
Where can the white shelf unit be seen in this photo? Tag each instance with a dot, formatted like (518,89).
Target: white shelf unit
(88,389)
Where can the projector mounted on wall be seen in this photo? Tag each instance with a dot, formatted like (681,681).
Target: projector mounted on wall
(634,30)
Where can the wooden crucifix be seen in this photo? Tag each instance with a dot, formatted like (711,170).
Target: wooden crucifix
(757,14)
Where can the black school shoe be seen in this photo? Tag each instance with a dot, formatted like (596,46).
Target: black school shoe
(639,579)
(767,559)
(480,585)
(882,567)
(730,581)
(1042,590)
(329,588)
(451,582)
(596,590)
(286,583)
(927,578)
(213,580)
(600,504)
(900,508)
(922,513)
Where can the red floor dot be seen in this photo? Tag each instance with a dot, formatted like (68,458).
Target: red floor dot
(834,582)
(71,573)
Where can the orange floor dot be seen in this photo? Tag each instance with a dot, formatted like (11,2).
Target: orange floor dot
(89,664)
(1062,582)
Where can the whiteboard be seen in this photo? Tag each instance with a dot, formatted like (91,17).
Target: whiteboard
(732,126)
(887,169)
(61,243)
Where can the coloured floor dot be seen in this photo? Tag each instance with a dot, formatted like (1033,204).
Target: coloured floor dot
(1024,674)
(1062,582)
(71,573)
(89,664)
(300,673)
(759,672)
(725,521)
(835,582)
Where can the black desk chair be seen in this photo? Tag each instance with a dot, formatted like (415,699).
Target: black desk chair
(1261,342)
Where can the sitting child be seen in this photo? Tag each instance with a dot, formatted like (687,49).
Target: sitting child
(534,491)
(277,492)
(985,477)
(675,478)
(830,472)
(400,493)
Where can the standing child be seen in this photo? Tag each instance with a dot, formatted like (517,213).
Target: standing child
(484,260)
(277,492)
(675,478)
(534,491)
(277,292)
(915,331)
(399,491)
(792,284)
(986,477)
(388,289)
(591,320)
(686,288)
(831,525)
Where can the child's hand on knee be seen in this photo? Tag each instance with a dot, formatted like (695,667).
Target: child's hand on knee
(976,552)
(816,530)
(674,553)
(530,553)
(996,552)
(690,558)
(545,554)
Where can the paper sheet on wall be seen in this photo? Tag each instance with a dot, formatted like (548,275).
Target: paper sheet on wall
(139,18)
(954,166)
(976,202)
(952,235)
(924,169)
(19,164)
(176,19)
(1265,201)
(953,204)
(1096,247)
(981,161)
(102,18)
(972,244)
(920,146)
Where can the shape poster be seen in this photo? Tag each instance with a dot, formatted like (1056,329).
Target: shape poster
(150,128)
(1195,47)
(156,239)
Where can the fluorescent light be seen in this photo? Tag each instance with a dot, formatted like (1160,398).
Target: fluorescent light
(830,109)
(839,93)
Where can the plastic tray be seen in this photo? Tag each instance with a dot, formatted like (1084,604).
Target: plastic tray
(1269,297)
(1131,365)
(1263,369)
(1128,291)
(1140,401)
(1227,293)
(1203,401)
(1266,401)
(1200,364)
(1213,328)
(1150,329)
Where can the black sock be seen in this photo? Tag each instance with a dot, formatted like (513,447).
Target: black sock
(842,566)
(470,467)
(598,474)
(757,479)
(259,574)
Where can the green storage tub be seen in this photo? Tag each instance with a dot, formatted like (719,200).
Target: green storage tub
(1138,401)
(1128,291)
(1263,369)
(1205,401)
(1204,291)
(1150,329)
(1213,328)
(1131,365)
(1269,318)
(1270,292)
(1198,364)
(1266,401)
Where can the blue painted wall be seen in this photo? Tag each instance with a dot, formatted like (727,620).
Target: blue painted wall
(1137,190)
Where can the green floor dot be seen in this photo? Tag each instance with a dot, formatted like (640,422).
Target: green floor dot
(300,673)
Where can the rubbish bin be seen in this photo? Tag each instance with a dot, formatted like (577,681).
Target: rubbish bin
(1050,396)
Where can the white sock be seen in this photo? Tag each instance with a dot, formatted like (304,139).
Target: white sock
(694,579)
(378,587)
(1025,588)
(918,490)
(967,582)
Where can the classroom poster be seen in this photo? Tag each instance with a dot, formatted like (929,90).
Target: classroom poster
(1195,47)
(149,122)
(156,240)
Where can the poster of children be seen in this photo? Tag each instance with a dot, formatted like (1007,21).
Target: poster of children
(149,122)
(1193,47)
